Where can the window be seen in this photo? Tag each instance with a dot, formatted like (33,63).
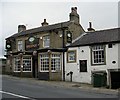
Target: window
(83,65)
(26,64)
(46,41)
(44,62)
(17,64)
(98,54)
(71,56)
(110,45)
(20,45)
(55,62)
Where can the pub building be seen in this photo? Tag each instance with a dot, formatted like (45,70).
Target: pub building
(40,52)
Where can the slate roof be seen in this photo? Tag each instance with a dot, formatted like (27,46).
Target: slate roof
(42,29)
(98,37)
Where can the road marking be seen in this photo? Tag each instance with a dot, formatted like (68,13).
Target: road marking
(20,96)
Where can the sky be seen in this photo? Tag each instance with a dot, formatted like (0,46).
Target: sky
(102,13)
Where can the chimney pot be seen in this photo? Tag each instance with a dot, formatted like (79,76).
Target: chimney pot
(90,27)
(90,24)
(44,23)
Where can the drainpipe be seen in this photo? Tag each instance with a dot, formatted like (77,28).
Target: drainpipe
(63,44)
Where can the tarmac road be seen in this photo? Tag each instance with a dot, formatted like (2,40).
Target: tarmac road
(13,87)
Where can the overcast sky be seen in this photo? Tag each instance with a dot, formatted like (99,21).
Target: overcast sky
(103,15)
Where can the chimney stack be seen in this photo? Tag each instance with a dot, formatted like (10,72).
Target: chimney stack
(90,29)
(44,23)
(74,15)
(21,28)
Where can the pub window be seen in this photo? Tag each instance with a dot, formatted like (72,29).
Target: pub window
(55,62)
(44,62)
(71,56)
(20,45)
(17,66)
(83,65)
(46,41)
(27,65)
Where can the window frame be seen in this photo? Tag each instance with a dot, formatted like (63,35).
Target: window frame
(30,63)
(40,62)
(98,51)
(56,66)
(75,53)
(23,64)
(44,41)
(50,62)
(20,45)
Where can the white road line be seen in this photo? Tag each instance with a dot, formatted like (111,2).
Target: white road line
(20,96)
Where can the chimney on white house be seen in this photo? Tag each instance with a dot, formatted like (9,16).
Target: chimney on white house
(90,29)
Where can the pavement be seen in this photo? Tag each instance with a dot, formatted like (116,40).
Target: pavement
(83,86)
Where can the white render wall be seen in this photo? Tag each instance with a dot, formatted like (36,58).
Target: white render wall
(111,55)
(85,77)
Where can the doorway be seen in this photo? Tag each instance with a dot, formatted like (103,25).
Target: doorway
(115,80)
(35,67)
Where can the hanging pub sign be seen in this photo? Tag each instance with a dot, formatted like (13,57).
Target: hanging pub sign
(32,43)
(69,37)
(8,45)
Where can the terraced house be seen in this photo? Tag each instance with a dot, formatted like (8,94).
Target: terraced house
(94,58)
(39,52)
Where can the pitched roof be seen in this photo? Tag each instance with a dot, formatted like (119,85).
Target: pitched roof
(98,37)
(42,29)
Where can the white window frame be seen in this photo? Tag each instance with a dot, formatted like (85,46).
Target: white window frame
(18,64)
(23,59)
(20,45)
(46,41)
(44,62)
(55,62)
(98,55)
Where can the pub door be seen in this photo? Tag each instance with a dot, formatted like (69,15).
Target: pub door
(35,67)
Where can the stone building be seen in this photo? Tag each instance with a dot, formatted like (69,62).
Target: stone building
(39,52)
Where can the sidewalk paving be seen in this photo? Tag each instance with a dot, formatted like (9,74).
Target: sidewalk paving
(82,86)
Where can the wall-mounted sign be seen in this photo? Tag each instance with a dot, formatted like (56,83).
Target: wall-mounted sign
(32,43)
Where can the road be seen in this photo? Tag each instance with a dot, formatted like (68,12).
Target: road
(34,89)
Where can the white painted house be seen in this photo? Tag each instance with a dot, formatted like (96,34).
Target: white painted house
(95,57)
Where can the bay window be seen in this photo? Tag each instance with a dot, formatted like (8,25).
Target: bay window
(27,64)
(45,61)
